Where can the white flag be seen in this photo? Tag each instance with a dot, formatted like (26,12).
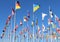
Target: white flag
(43,15)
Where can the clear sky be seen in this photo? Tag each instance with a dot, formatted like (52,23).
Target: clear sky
(6,9)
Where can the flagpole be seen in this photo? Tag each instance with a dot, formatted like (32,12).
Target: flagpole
(14,23)
(33,27)
(11,28)
(50,26)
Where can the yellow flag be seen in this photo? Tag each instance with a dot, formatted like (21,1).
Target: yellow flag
(35,7)
(18,5)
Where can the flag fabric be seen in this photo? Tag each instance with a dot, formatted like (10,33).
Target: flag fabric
(25,19)
(58,30)
(35,7)
(51,13)
(43,27)
(21,23)
(59,22)
(49,21)
(43,16)
(4,29)
(28,15)
(2,35)
(56,18)
(13,11)
(53,25)
(36,21)
(9,17)
(38,29)
(32,23)
(15,28)
(17,5)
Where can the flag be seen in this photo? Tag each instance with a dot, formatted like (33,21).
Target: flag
(53,25)
(35,7)
(17,5)
(36,21)
(43,27)
(32,23)
(59,22)
(51,13)
(21,32)
(49,21)
(25,19)
(31,36)
(15,28)
(2,35)
(38,29)
(43,16)
(56,18)
(7,22)
(28,15)
(4,29)
(13,11)
(58,30)
(21,23)
(9,17)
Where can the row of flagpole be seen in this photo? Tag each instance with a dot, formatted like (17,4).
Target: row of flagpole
(14,34)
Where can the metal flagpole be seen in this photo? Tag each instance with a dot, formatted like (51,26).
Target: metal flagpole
(33,27)
(50,26)
(14,24)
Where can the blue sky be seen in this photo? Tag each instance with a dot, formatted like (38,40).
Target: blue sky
(6,9)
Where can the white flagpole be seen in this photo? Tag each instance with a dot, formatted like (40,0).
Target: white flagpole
(51,29)
(33,27)
(14,23)
(11,29)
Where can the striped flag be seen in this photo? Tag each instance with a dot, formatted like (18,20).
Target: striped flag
(17,5)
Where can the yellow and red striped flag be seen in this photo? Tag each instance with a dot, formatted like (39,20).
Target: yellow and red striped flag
(17,5)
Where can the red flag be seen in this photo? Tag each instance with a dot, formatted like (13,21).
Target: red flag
(58,30)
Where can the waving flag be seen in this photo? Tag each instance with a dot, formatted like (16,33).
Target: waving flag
(43,27)
(58,30)
(56,18)
(49,21)
(36,21)
(32,23)
(53,25)
(25,19)
(35,7)
(4,29)
(28,15)
(2,35)
(51,13)
(59,22)
(43,16)
(9,17)
(38,29)
(15,28)
(13,11)
(17,5)
(21,23)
